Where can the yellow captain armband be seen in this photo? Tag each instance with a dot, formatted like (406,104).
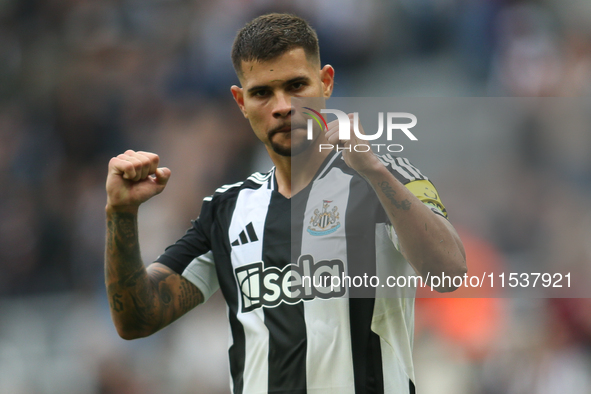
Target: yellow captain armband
(426,192)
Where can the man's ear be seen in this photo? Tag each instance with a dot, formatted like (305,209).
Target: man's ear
(238,94)
(327,78)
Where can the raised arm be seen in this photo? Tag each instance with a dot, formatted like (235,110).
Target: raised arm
(142,301)
(428,241)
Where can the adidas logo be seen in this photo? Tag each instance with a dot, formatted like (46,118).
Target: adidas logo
(246,236)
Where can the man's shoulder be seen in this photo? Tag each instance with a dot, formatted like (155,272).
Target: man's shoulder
(230,191)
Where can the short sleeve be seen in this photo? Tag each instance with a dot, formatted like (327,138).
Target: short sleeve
(201,272)
(191,255)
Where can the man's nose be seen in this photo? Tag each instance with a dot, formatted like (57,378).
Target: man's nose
(282,106)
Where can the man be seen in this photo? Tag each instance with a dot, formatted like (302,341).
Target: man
(286,337)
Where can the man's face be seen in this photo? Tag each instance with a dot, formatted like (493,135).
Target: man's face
(265,98)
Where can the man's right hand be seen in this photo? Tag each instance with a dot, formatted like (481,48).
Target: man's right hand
(133,178)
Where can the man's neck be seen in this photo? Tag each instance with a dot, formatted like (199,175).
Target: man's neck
(295,173)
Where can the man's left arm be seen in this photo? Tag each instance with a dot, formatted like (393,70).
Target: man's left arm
(428,241)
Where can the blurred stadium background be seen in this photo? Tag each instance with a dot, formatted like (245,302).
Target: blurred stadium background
(82,80)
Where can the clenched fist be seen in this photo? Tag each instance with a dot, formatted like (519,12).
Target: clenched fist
(355,154)
(133,178)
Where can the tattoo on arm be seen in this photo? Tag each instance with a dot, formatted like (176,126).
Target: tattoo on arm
(116,303)
(130,291)
(190,296)
(122,255)
(123,250)
(142,301)
(390,195)
(176,294)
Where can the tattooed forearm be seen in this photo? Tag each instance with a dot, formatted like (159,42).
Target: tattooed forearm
(142,300)
(390,193)
(133,307)
(122,244)
(128,287)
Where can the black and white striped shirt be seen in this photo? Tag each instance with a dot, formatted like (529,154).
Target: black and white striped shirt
(256,245)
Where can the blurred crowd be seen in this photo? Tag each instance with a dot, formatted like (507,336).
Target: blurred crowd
(83,80)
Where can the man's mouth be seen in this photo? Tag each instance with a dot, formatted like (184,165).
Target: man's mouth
(285,129)
(281,129)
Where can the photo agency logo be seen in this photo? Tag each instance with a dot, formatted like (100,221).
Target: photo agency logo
(344,123)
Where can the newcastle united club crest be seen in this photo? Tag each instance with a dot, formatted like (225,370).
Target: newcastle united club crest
(325,222)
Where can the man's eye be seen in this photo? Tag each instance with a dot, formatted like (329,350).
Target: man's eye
(297,85)
(260,93)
